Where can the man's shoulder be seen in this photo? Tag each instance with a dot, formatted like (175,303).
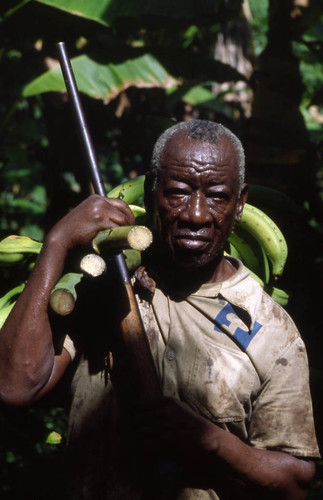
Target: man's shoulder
(246,292)
(272,332)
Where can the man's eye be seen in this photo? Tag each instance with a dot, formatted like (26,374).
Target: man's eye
(217,195)
(176,192)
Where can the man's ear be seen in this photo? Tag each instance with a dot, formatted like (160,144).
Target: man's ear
(242,200)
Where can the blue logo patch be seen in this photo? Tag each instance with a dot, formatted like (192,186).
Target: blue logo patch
(242,337)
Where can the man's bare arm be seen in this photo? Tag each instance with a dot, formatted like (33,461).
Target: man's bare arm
(29,366)
(214,458)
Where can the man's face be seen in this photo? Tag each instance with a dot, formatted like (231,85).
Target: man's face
(196,200)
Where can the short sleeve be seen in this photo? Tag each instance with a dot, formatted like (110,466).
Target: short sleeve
(68,345)
(282,417)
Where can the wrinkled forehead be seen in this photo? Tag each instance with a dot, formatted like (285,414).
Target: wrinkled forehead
(183,150)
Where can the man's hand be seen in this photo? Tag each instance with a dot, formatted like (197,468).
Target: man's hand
(81,225)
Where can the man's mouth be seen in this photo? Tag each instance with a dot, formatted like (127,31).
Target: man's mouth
(192,241)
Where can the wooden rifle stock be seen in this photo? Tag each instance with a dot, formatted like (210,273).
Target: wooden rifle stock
(134,337)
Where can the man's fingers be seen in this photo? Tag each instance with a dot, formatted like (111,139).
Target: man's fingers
(121,208)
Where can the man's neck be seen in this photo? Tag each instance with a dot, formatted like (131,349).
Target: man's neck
(187,281)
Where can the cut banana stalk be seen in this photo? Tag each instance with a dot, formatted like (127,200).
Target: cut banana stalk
(63,296)
(135,237)
(93,264)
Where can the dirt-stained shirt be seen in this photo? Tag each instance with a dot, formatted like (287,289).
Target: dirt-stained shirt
(231,353)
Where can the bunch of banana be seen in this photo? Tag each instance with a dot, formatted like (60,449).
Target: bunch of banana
(256,241)
(17,249)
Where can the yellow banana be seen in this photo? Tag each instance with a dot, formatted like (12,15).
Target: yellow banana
(268,235)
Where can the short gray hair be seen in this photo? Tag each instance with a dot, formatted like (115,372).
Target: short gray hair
(199,130)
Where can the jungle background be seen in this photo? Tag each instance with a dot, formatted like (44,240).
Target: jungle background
(255,66)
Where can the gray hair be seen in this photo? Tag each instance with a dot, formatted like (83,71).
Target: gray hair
(199,130)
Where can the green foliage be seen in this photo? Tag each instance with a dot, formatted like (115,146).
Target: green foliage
(141,66)
(23,194)
(259,24)
(108,11)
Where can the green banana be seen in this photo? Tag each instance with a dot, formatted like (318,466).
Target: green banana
(268,235)
(141,216)
(6,299)
(133,258)
(129,191)
(280,296)
(246,248)
(14,249)
(277,294)
(4,313)
(138,211)
(19,244)
(10,259)
(6,304)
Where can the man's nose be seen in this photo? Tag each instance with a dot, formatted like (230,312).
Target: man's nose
(197,211)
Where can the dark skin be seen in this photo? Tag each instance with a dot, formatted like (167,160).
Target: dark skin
(196,202)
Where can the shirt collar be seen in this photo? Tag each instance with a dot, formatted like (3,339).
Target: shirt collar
(240,290)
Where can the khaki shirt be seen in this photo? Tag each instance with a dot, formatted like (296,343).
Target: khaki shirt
(230,352)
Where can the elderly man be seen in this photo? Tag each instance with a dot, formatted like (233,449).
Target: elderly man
(235,417)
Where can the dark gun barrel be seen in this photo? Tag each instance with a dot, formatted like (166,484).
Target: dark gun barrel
(133,335)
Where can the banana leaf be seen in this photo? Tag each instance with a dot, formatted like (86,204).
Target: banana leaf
(105,81)
(106,11)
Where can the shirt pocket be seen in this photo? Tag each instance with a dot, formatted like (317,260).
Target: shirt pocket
(220,382)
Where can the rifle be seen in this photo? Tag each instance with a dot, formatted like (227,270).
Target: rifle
(133,335)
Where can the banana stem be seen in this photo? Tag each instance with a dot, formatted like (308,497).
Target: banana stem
(8,296)
(63,297)
(135,237)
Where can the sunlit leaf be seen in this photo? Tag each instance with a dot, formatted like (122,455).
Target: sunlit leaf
(54,438)
(105,81)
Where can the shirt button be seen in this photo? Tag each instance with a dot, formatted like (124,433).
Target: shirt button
(170,355)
